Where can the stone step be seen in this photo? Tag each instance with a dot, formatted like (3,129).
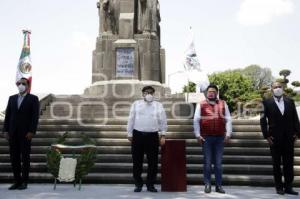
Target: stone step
(124,142)
(185,128)
(190,150)
(247,159)
(112,121)
(236,169)
(126,178)
(123,134)
(191,159)
(79,99)
(109,121)
(102,127)
(98,115)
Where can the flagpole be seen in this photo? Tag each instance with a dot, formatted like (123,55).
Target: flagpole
(188,90)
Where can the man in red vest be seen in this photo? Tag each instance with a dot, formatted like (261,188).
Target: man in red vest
(212,127)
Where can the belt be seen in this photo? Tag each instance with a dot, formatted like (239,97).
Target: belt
(144,133)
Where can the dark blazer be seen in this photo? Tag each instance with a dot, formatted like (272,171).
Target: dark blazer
(22,120)
(273,123)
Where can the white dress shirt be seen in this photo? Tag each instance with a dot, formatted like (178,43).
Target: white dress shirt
(147,117)
(197,117)
(20,99)
(280,104)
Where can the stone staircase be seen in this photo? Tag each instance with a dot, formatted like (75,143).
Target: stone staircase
(246,161)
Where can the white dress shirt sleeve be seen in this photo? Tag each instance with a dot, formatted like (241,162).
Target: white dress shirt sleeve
(196,123)
(163,126)
(130,124)
(228,121)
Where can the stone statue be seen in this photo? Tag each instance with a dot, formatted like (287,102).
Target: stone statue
(109,12)
(158,21)
(148,17)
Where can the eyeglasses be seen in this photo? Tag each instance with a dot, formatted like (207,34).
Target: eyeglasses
(23,83)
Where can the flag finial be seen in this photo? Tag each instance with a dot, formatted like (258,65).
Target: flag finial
(25,31)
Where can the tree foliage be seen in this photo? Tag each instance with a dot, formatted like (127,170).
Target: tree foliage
(248,84)
(234,88)
(285,73)
(296,83)
(191,88)
(259,76)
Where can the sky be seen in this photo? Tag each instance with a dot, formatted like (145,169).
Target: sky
(228,34)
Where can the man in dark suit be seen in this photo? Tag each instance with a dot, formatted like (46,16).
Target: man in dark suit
(280,126)
(20,124)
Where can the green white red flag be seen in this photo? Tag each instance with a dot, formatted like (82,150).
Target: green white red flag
(24,69)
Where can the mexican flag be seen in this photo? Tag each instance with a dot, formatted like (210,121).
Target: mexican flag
(24,65)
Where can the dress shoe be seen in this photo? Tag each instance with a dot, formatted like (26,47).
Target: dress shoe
(22,186)
(207,188)
(14,186)
(137,189)
(291,191)
(220,189)
(151,189)
(280,191)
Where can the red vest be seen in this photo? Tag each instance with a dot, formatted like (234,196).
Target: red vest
(212,120)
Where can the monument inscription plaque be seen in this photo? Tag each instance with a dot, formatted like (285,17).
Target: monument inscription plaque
(124,62)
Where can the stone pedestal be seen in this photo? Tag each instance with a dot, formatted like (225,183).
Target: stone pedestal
(126,54)
(149,57)
(124,89)
(103,58)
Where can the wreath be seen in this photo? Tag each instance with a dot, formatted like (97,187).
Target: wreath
(85,160)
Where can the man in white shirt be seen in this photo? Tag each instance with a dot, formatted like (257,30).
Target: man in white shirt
(212,127)
(147,126)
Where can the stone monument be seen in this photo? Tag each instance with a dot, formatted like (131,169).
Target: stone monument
(128,53)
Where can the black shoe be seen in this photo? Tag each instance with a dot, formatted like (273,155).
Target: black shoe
(137,189)
(280,191)
(207,188)
(220,189)
(23,186)
(152,189)
(14,186)
(291,191)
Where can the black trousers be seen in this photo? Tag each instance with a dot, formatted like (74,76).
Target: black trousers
(19,149)
(145,143)
(283,153)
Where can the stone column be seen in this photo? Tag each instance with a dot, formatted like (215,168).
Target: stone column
(126,21)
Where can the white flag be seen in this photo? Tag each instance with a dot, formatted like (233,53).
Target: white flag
(191,61)
(192,66)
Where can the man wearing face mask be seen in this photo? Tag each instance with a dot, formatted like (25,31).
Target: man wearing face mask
(20,125)
(212,128)
(280,126)
(147,126)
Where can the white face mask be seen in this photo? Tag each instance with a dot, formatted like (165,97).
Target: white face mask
(278,92)
(21,88)
(149,98)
